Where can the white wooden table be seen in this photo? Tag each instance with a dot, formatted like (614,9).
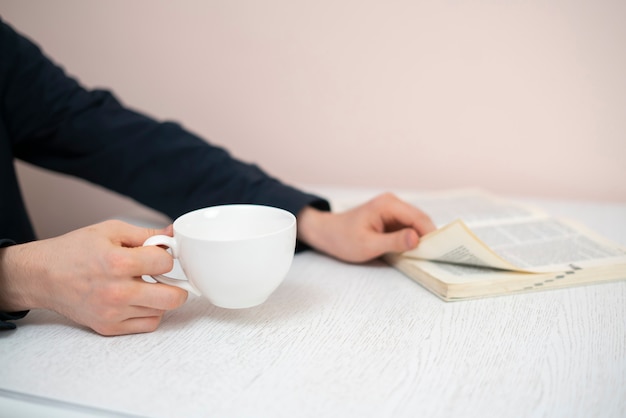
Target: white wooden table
(341,340)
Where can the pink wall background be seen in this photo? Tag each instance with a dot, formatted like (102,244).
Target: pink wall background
(518,97)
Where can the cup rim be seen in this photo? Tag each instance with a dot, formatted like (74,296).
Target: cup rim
(290,215)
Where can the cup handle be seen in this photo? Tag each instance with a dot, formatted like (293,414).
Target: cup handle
(170,242)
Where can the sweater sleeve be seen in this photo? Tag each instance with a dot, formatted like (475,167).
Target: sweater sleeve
(56,123)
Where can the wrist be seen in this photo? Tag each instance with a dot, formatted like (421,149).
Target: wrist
(14,279)
(310,224)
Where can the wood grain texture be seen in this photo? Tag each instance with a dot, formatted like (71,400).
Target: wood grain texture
(342,340)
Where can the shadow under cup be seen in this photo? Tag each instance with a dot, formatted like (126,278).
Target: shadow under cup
(233,255)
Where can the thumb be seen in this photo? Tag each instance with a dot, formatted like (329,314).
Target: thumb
(397,241)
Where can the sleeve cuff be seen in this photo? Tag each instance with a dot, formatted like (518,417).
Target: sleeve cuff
(9,316)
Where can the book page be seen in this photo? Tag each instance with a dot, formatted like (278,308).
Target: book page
(475,207)
(455,243)
(533,245)
(549,245)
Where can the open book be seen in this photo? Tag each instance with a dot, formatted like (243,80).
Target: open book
(486,246)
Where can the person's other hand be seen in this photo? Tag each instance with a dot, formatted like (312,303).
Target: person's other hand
(93,277)
(382,225)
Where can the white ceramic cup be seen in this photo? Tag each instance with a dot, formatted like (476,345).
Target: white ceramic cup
(233,255)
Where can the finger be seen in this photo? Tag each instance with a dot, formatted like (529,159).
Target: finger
(141,325)
(129,235)
(152,260)
(158,296)
(409,215)
(143,312)
(168,230)
(138,261)
(394,242)
(143,306)
(402,213)
(135,325)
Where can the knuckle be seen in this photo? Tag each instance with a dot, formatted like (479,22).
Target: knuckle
(113,296)
(160,260)
(384,199)
(109,224)
(106,329)
(152,324)
(119,264)
(166,261)
(174,298)
(423,217)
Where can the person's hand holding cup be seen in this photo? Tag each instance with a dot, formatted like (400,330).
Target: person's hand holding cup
(235,256)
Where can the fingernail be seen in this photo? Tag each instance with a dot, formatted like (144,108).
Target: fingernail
(411,239)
